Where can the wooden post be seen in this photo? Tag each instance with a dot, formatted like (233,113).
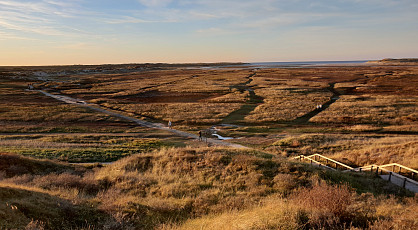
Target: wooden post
(404,182)
(400,170)
(311,161)
(360,169)
(390,175)
(377,171)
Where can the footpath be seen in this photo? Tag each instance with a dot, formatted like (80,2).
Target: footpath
(143,123)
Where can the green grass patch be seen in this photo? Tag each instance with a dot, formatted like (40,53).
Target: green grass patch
(102,153)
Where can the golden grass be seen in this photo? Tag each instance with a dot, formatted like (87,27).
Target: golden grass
(234,97)
(401,150)
(375,95)
(320,207)
(286,105)
(353,149)
(368,109)
(274,214)
(188,188)
(217,188)
(82,148)
(185,113)
(30,111)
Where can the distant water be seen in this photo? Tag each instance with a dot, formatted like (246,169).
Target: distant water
(301,64)
(261,65)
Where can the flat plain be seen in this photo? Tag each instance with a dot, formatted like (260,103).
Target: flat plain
(359,115)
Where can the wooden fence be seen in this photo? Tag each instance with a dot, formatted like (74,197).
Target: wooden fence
(394,173)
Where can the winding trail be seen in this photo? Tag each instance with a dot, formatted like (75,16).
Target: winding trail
(253,101)
(143,123)
(335,96)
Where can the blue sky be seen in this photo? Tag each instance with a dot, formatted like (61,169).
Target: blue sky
(51,32)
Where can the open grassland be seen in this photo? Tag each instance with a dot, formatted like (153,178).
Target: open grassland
(369,117)
(373,109)
(182,113)
(286,105)
(191,188)
(384,96)
(30,111)
(182,96)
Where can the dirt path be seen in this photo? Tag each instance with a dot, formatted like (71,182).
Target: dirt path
(335,96)
(249,106)
(143,123)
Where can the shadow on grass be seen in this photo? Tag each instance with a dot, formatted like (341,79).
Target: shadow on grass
(22,207)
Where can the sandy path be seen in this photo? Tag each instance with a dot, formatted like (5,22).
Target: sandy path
(143,123)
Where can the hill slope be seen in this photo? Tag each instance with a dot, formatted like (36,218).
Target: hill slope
(190,187)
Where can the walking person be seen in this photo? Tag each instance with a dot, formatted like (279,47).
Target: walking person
(169,124)
(200,135)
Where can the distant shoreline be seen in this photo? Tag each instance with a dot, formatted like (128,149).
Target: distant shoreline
(138,65)
(306,64)
(132,66)
(392,61)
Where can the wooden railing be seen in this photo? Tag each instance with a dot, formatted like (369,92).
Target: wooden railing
(402,170)
(323,160)
(394,168)
(380,170)
(391,176)
(313,161)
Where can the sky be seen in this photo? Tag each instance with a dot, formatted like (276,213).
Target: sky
(66,32)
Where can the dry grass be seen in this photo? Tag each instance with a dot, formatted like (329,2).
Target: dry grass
(394,110)
(81,148)
(184,113)
(352,149)
(286,105)
(185,188)
(182,96)
(401,150)
(217,188)
(30,111)
(235,96)
(320,207)
(372,95)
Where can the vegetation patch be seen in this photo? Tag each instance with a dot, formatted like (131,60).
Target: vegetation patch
(79,150)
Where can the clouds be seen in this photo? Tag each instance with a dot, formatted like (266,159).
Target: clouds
(34,17)
(155,3)
(240,26)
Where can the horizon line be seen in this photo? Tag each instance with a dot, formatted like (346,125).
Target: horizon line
(193,63)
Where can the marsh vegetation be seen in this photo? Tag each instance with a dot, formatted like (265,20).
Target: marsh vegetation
(358,115)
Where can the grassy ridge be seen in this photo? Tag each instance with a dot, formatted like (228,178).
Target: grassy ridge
(188,187)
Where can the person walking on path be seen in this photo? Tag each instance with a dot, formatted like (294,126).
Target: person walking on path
(169,124)
(200,135)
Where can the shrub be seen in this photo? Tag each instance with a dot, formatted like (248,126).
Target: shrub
(327,204)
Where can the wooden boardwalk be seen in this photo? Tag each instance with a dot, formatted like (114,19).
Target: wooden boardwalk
(395,173)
